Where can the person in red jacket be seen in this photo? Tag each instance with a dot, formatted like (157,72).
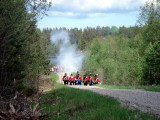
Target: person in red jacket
(85,80)
(90,79)
(78,79)
(71,79)
(96,80)
(65,79)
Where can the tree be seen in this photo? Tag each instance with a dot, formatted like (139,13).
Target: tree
(17,28)
(150,21)
(151,67)
(114,30)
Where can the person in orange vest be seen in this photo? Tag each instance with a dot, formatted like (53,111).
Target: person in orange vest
(78,79)
(85,80)
(65,79)
(90,79)
(71,79)
(96,79)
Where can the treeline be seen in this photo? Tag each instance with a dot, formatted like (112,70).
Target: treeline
(82,38)
(23,50)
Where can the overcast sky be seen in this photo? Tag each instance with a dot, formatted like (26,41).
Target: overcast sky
(92,13)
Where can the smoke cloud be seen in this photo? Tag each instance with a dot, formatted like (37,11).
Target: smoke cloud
(68,56)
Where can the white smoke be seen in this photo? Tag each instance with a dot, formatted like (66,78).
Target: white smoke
(68,56)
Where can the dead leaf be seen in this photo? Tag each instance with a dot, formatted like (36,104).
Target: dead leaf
(12,108)
(35,107)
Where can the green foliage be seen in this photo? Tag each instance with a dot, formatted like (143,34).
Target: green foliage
(150,19)
(22,49)
(54,77)
(151,69)
(114,30)
(51,49)
(129,32)
(115,59)
(130,57)
(79,37)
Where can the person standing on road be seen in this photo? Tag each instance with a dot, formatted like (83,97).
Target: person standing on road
(71,79)
(85,80)
(96,79)
(65,79)
(78,79)
(90,79)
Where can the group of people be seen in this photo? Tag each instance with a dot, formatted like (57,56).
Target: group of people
(56,68)
(77,79)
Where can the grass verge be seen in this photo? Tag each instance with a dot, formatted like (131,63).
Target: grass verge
(74,104)
(147,88)
(53,76)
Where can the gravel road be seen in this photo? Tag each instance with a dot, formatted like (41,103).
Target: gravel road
(133,98)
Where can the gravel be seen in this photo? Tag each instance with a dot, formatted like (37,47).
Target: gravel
(145,101)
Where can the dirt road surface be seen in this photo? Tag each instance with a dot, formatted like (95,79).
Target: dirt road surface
(132,98)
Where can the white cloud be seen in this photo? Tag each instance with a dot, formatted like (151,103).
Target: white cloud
(63,14)
(93,8)
(76,15)
(100,4)
(96,14)
(92,4)
(57,13)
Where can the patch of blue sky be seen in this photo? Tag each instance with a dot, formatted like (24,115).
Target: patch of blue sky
(83,13)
